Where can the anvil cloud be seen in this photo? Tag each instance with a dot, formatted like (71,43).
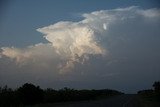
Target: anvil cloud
(73,42)
(104,43)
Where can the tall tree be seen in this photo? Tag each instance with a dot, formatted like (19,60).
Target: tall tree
(30,94)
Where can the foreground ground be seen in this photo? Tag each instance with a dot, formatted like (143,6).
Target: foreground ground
(127,100)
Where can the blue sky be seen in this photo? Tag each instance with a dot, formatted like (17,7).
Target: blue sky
(20,18)
(80,43)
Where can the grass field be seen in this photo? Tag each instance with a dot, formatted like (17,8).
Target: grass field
(149,100)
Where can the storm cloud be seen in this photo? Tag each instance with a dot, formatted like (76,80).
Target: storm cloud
(105,44)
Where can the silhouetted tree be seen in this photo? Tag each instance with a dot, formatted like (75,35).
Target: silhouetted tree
(30,94)
(7,97)
(50,95)
(156,86)
(147,91)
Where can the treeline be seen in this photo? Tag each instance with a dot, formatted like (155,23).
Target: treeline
(152,93)
(29,94)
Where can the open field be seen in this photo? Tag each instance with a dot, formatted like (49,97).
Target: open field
(116,101)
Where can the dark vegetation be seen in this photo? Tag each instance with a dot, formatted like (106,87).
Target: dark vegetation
(151,97)
(29,94)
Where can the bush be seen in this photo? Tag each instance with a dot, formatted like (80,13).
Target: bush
(30,94)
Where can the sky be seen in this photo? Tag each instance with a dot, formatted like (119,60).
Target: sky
(81,44)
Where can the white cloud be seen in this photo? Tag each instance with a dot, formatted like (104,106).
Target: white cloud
(37,54)
(71,38)
(150,13)
(74,42)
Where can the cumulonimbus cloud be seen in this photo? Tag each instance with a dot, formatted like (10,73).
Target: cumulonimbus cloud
(74,42)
